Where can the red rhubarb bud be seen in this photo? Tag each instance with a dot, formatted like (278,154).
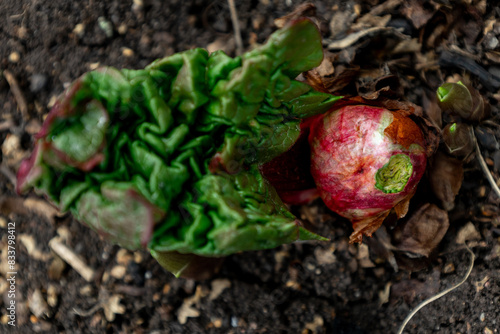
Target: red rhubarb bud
(366,161)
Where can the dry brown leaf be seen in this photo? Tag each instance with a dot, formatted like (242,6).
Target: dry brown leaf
(303,10)
(423,231)
(445,176)
(416,13)
(409,289)
(431,108)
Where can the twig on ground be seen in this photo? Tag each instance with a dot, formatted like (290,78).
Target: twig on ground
(72,259)
(484,166)
(18,95)
(8,174)
(6,125)
(236,26)
(90,311)
(364,34)
(439,295)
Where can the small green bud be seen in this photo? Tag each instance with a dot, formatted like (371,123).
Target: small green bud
(462,100)
(394,175)
(458,140)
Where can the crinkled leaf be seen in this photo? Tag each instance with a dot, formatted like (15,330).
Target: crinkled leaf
(169,155)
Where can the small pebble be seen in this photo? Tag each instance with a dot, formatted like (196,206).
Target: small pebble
(127,52)
(481,192)
(137,257)
(482,317)
(22,32)
(118,271)
(217,323)
(3,222)
(122,29)
(56,268)
(11,145)
(123,257)
(52,297)
(52,101)
(105,26)
(94,66)
(37,82)
(86,290)
(449,268)
(33,127)
(14,57)
(79,29)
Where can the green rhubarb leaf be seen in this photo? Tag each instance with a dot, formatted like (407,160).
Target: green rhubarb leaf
(168,156)
(81,136)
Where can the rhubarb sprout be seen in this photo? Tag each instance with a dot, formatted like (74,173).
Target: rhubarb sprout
(458,139)
(168,157)
(463,101)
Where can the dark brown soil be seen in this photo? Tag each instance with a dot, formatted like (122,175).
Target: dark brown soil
(313,287)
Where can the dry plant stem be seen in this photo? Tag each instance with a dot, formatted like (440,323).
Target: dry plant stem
(484,167)
(439,295)
(236,25)
(72,259)
(16,91)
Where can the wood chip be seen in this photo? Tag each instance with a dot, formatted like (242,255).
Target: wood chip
(52,295)
(123,257)
(29,242)
(363,256)
(37,305)
(42,208)
(325,256)
(316,326)
(218,286)
(187,310)
(384,295)
(72,259)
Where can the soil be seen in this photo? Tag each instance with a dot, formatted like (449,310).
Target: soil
(310,287)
